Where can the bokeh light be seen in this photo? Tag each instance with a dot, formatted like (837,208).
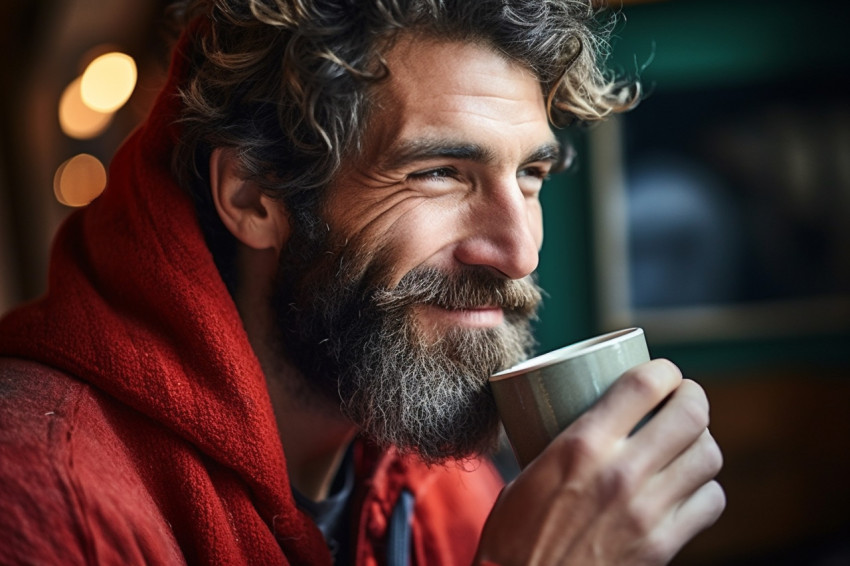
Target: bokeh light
(79,180)
(77,119)
(108,81)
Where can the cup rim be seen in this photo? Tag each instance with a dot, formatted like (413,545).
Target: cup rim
(587,346)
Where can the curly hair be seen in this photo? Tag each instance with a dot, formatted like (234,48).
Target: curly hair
(286,83)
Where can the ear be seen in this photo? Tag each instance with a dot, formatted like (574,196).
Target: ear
(254,218)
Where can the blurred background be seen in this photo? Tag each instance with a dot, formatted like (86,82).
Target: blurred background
(716,216)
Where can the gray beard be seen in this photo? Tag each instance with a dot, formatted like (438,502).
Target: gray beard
(357,344)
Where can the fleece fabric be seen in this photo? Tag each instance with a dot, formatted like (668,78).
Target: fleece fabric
(135,422)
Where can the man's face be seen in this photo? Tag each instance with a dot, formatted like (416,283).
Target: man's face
(421,288)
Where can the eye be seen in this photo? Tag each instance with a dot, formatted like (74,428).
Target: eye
(531,179)
(535,172)
(436,174)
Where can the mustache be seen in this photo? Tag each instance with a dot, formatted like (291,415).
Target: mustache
(472,287)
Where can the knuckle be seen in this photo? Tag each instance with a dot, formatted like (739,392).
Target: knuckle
(714,456)
(619,483)
(657,550)
(694,389)
(717,499)
(642,382)
(670,367)
(643,521)
(695,412)
(654,379)
(581,448)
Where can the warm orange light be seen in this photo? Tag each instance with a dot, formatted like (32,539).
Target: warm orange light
(79,180)
(76,119)
(108,82)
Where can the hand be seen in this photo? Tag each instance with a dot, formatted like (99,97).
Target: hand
(597,495)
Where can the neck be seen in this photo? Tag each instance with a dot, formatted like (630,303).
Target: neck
(313,439)
(313,432)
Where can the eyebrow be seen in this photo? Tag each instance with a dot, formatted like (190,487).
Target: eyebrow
(422,149)
(546,152)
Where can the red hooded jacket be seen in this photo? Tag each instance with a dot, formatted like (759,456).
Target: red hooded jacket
(135,423)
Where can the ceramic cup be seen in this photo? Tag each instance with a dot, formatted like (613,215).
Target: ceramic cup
(540,397)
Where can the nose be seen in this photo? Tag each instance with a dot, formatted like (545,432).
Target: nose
(505,232)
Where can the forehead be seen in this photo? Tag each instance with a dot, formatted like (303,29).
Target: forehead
(450,88)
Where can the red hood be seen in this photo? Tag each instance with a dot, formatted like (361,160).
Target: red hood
(136,308)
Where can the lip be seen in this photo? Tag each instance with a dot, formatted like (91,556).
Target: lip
(475,317)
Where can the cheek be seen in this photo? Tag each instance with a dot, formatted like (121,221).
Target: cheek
(424,236)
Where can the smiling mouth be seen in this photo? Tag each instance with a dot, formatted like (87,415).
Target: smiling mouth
(487,316)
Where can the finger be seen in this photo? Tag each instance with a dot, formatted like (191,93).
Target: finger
(694,467)
(632,397)
(695,514)
(675,427)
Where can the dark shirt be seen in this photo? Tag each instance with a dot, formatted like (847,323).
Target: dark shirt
(332,514)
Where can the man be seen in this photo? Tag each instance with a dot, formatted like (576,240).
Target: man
(366,176)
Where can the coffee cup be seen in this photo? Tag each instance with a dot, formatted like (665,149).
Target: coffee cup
(540,397)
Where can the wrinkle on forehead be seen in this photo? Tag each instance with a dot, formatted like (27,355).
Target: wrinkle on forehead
(427,91)
(481,77)
(487,73)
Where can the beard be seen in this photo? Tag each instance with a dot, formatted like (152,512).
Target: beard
(358,344)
